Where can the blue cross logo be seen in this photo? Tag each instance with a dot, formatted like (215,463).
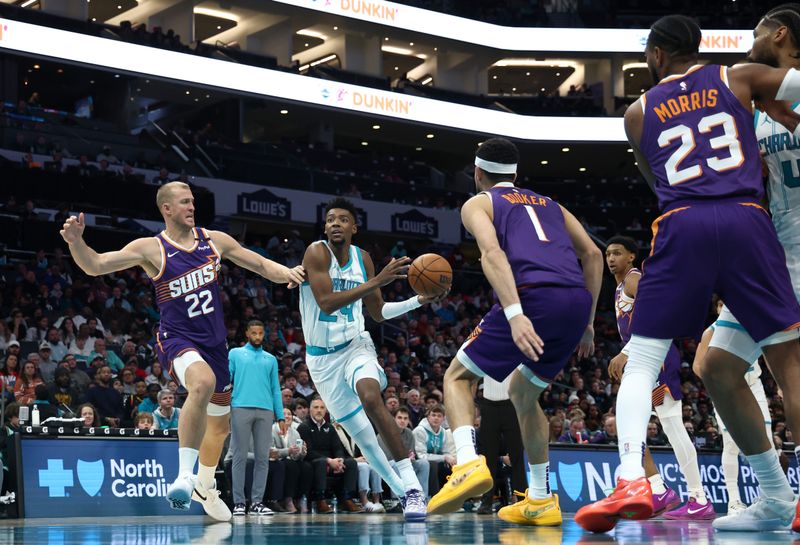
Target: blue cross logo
(55,478)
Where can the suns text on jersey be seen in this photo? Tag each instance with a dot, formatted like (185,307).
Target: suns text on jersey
(193,280)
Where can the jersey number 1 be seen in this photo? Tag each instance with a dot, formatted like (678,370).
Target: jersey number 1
(728,139)
(537,225)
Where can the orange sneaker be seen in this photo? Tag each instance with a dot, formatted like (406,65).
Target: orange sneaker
(796,521)
(630,500)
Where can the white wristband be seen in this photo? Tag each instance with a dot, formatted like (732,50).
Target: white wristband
(393,310)
(512,310)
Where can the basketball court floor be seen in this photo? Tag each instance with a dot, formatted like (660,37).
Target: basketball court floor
(456,529)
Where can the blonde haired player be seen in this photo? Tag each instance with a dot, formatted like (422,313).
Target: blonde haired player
(183,261)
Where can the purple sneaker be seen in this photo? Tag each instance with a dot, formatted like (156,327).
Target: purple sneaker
(664,502)
(692,511)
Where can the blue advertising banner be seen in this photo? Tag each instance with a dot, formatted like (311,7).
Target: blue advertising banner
(74,477)
(581,475)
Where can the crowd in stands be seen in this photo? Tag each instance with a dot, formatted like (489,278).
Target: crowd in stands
(84,347)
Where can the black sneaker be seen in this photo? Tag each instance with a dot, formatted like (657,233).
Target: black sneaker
(260,509)
(239,510)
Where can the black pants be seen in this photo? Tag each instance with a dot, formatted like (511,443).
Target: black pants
(345,484)
(438,476)
(499,434)
(298,478)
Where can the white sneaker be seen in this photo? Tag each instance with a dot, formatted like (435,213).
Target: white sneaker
(764,515)
(370,507)
(736,507)
(179,493)
(211,502)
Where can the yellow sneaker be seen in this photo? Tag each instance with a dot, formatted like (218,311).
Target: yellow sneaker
(467,480)
(546,512)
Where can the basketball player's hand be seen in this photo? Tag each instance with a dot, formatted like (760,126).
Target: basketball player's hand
(73,229)
(586,344)
(396,269)
(425,299)
(295,276)
(525,337)
(617,366)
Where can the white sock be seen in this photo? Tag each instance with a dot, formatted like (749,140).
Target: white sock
(686,454)
(634,401)
(540,481)
(409,478)
(205,474)
(187,458)
(464,438)
(770,476)
(657,484)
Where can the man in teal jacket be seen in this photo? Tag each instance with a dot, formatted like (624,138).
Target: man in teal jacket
(255,402)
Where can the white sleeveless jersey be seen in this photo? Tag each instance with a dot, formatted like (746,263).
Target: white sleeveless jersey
(781,151)
(329,331)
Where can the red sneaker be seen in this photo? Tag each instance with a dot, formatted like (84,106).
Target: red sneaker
(630,500)
(796,521)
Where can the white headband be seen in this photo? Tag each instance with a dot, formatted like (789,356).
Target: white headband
(496,168)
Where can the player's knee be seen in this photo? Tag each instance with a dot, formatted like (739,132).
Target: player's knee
(201,385)
(371,400)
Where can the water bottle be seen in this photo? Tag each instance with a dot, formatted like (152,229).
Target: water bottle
(334,504)
(303,503)
(35,415)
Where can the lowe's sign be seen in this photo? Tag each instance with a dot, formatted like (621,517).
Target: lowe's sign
(107,477)
(581,475)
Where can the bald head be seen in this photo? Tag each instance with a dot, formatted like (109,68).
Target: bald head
(167,191)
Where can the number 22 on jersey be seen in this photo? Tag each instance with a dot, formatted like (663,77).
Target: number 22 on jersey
(728,140)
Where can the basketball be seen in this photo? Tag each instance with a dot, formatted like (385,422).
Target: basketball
(430,275)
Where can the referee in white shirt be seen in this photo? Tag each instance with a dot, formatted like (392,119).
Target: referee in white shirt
(499,434)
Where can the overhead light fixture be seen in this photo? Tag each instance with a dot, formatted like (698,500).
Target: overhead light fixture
(284,112)
(376,127)
(436,49)
(561,63)
(418,148)
(543,89)
(513,89)
(630,150)
(336,28)
(311,34)
(317,62)
(188,92)
(386,39)
(558,73)
(494,77)
(396,68)
(429,136)
(365,143)
(36,67)
(633,65)
(306,44)
(527,73)
(397,50)
(582,169)
(544,162)
(565,150)
(427,80)
(218,13)
(411,44)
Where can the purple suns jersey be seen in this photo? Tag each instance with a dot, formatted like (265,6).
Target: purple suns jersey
(531,231)
(187,291)
(699,140)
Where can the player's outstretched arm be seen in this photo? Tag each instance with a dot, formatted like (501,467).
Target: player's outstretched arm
(592,265)
(476,216)
(272,271)
(769,86)
(316,263)
(380,310)
(95,264)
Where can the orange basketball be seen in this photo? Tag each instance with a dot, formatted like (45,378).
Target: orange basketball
(430,275)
